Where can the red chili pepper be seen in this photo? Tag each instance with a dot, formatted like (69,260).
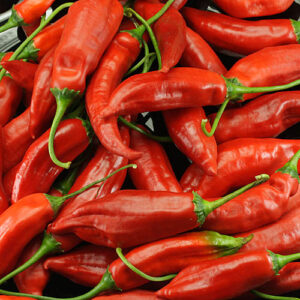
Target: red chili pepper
(209,280)
(30,28)
(22,72)
(85,265)
(3,196)
(256,8)
(2,297)
(154,171)
(89,28)
(131,295)
(294,201)
(238,161)
(9,179)
(10,97)
(241,36)
(36,171)
(272,114)
(261,205)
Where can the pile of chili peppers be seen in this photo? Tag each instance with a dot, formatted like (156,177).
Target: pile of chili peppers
(139,162)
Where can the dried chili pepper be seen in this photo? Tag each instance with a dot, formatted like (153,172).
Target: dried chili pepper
(83,41)
(238,161)
(241,36)
(246,271)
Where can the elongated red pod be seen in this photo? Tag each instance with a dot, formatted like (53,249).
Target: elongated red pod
(131,295)
(3,196)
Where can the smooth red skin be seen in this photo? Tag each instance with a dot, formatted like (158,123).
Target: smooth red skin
(267,67)
(19,224)
(132,217)
(9,179)
(3,196)
(169,30)
(154,171)
(239,36)
(177,4)
(281,237)
(132,295)
(32,10)
(37,171)
(22,72)
(179,88)
(239,161)
(85,265)
(67,241)
(89,28)
(43,104)
(34,279)
(256,8)
(264,117)
(198,54)
(184,127)
(259,206)
(10,97)
(16,140)
(49,37)
(118,58)
(2,297)
(210,280)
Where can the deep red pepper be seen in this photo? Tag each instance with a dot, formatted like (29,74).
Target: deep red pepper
(241,36)
(272,114)
(154,171)
(256,8)
(30,28)
(9,179)
(238,161)
(2,297)
(131,295)
(3,196)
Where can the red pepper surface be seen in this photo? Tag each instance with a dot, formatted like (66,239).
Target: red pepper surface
(22,72)
(85,265)
(9,179)
(253,8)
(241,36)
(3,196)
(154,171)
(259,206)
(169,29)
(294,201)
(238,161)
(209,280)
(177,4)
(10,97)
(131,295)
(37,172)
(34,279)
(30,28)
(272,114)
(2,297)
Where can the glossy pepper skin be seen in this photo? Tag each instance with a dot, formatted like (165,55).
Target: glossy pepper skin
(84,265)
(37,172)
(256,8)
(3,196)
(238,161)
(272,114)
(154,171)
(241,36)
(131,295)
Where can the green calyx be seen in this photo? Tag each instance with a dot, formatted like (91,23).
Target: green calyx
(29,52)
(291,167)
(276,265)
(89,129)
(232,93)
(199,208)
(14,21)
(296,26)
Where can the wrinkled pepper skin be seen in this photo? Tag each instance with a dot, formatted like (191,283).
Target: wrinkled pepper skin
(10,97)
(209,280)
(85,265)
(34,279)
(37,172)
(240,36)
(154,171)
(131,295)
(294,201)
(272,114)
(238,162)
(256,8)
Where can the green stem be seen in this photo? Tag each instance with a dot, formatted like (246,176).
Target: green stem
(139,272)
(291,167)
(140,63)
(146,56)
(296,26)
(267,296)
(13,21)
(216,120)
(160,139)
(283,260)
(48,245)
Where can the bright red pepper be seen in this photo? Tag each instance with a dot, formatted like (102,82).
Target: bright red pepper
(3,196)
(131,295)
(241,36)
(2,297)
(9,179)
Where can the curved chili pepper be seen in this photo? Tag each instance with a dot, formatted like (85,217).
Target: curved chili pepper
(83,41)
(37,172)
(3,196)
(34,279)
(22,72)
(154,171)
(294,201)
(131,295)
(146,216)
(272,114)
(245,270)
(26,12)
(85,265)
(10,97)
(238,161)
(241,36)
(253,8)
(9,179)
(261,205)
